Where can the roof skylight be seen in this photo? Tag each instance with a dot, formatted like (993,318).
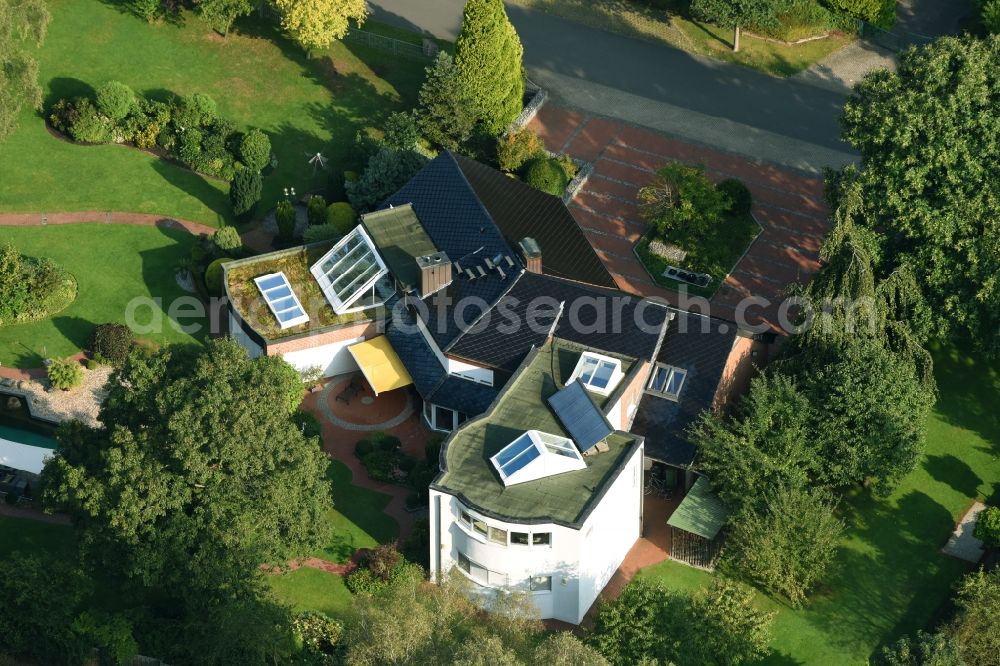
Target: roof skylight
(278,294)
(597,373)
(536,455)
(350,269)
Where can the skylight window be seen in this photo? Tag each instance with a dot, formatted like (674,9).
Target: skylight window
(536,455)
(348,271)
(597,373)
(667,381)
(278,294)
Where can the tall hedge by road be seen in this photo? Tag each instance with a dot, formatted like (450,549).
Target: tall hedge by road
(488,55)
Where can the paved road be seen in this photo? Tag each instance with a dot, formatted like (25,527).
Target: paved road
(697,98)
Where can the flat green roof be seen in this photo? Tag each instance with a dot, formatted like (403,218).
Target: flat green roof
(701,512)
(564,498)
(294,263)
(400,239)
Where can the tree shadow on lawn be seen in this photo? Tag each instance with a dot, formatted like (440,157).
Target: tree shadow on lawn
(159,273)
(195,185)
(888,578)
(75,329)
(65,87)
(954,472)
(968,386)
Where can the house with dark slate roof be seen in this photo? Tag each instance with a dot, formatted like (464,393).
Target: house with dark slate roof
(561,394)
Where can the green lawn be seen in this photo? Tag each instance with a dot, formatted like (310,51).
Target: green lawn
(889,578)
(716,256)
(311,589)
(358,518)
(675,28)
(30,536)
(113,264)
(257,77)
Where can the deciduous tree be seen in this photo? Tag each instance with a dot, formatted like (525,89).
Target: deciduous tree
(488,55)
(681,202)
(315,24)
(220,14)
(20,21)
(975,626)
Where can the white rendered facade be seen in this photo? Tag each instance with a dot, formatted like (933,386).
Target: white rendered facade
(564,568)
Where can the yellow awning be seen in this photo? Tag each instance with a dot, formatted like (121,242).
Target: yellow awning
(380,364)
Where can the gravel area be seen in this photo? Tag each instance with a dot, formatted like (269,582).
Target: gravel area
(81,403)
(963,544)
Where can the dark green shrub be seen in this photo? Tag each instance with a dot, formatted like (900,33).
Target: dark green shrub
(421,475)
(546,174)
(113,343)
(307,424)
(417,546)
(31,288)
(342,216)
(320,232)
(87,125)
(362,581)
(407,463)
(65,374)
(244,191)
(432,447)
(316,210)
(284,215)
(988,527)
(196,110)
(740,199)
(255,150)
(149,10)
(517,148)
(681,200)
(115,100)
(387,171)
(227,240)
(189,151)
(380,465)
(350,176)
(401,131)
(214,276)
(383,441)
(363,448)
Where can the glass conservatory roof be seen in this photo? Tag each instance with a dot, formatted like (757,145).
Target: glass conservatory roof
(348,270)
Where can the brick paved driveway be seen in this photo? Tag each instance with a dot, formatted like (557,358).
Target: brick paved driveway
(788,205)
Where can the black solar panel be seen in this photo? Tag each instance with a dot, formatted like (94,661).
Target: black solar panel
(582,419)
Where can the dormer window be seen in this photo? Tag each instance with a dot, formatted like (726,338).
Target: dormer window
(667,381)
(597,373)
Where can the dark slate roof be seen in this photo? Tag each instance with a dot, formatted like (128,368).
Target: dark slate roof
(461,227)
(701,346)
(431,380)
(520,210)
(510,333)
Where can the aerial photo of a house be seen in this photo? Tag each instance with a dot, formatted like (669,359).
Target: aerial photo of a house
(565,399)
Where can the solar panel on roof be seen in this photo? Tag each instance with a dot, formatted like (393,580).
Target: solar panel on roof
(282,301)
(582,419)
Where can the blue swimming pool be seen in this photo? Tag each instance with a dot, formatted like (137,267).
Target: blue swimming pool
(22,435)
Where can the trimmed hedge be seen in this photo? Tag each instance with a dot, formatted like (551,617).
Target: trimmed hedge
(214,275)
(113,343)
(227,239)
(342,216)
(548,175)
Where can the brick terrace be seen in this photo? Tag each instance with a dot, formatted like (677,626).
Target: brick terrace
(788,205)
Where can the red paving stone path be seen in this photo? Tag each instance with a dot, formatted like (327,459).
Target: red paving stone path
(788,205)
(40,219)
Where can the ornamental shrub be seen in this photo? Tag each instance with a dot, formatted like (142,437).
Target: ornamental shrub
(380,465)
(227,240)
(115,100)
(401,131)
(341,216)
(988,527)
(740,199)
(113,343)
(284,215)
(387,171)
(682,200)
(320,232)
(488,55)
(87,125)
(195,110)
(318,633)
(517,148)
(65,374)
(214,275)
(244,191)
(316,210)
(546,174)
(255,150)
(383,441)
(363,448)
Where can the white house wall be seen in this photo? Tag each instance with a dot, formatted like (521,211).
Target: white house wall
(580,565)
(469,371)
(237,333)
(23,456)
(334,358)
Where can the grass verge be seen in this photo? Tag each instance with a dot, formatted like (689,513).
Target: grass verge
(358,517)
(889,578)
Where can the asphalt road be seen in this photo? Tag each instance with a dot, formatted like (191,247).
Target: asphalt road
(689,91)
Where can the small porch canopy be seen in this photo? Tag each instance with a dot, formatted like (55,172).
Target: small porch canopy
(696,524)
(380,364)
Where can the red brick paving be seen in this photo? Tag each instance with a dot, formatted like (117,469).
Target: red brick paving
(788,205)
(39,219)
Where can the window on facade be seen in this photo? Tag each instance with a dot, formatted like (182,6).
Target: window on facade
(667,381)
(498,536)
(479,573)
(541,583)
(466,518)
(541,538)
(519,538)
(480,526)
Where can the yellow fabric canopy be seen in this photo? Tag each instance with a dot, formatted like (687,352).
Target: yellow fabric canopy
(380,364)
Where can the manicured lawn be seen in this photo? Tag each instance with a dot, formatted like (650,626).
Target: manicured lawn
(257,77)
(113,264)
(30,536)
(715,256)
(889,578)
(311,589)
(358,518)
(675,28)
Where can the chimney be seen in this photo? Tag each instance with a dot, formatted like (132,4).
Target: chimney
(532,253)
(435,273)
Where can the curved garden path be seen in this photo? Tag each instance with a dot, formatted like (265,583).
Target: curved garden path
(146,219)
